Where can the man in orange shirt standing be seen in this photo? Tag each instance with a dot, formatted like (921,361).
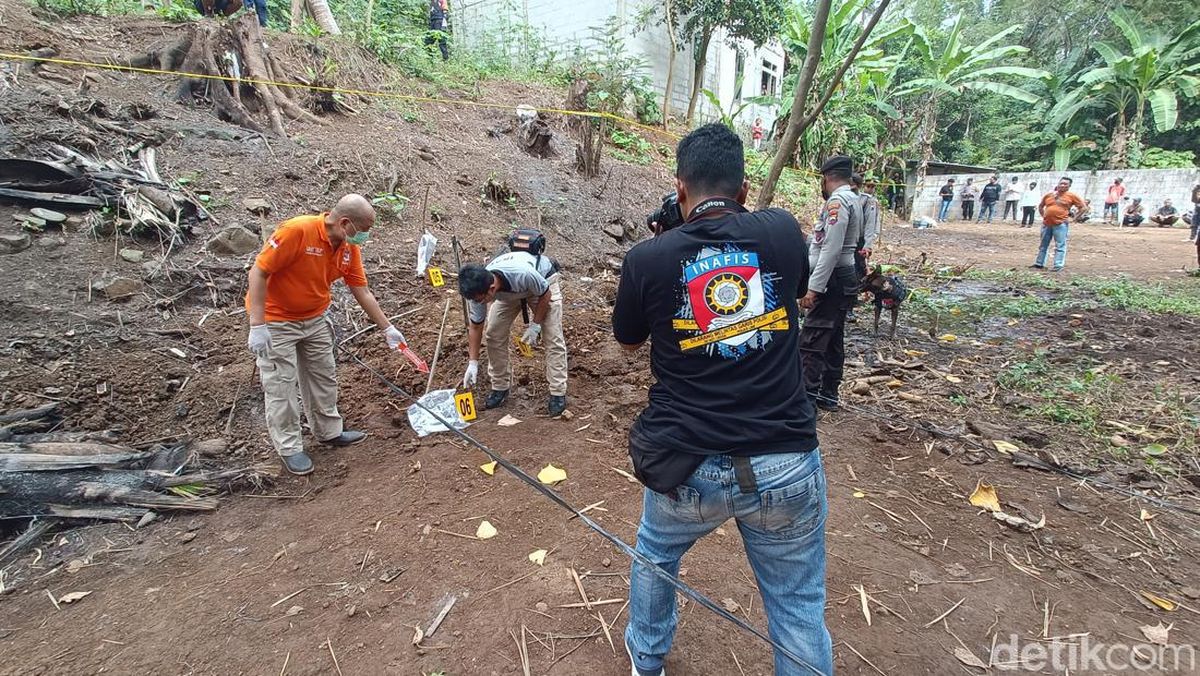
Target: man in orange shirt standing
(289,332)
(1056,215)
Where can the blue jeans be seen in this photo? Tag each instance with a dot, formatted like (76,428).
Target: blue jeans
(260,6)
(986,207)
(944,210)
(783,529)
(1059,234)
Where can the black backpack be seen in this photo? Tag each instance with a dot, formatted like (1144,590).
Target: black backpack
(528,240)
(532,242)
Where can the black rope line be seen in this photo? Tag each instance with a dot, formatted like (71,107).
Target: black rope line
(558,500)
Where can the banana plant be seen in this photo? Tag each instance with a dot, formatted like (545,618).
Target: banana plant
(1149,69)
(957,68)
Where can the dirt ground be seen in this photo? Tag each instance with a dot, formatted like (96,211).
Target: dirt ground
(332,573)
(1093,249)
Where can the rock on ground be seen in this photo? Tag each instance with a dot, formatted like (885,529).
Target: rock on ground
(233,241)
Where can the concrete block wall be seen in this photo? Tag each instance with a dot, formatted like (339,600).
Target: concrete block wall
(1152,185)
(566,25)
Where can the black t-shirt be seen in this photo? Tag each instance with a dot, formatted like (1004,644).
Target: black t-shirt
(947,191)
(990,193)
(720,389)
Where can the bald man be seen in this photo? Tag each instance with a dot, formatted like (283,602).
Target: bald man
(290,335)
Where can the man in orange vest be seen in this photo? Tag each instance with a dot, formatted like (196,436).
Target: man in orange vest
(289,332)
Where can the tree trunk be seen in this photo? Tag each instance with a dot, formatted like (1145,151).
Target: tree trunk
(324,17)
(666,106)
(701,60)
(297,15)
(1118,150)
(836,81)
(929,123)
(791,137)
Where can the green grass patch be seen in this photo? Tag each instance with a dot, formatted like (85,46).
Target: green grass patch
(1120,293)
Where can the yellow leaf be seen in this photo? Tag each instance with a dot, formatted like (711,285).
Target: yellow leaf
(954,379)
(418,636)
(955,311)
(895,383)
(985,496)
(1164,603)
(948,338)
(488,468)
(1005,447)
(1014,322)
(859,494)
(915,353)
(538,556)
(1146,516)
(486,530)
(551,475)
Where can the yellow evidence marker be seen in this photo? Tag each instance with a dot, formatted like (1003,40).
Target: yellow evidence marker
(435,277)
(465,403)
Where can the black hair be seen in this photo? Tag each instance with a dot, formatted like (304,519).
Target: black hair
(474,280)
(856,179)
(1067,179)
(710,161)
(1015,179)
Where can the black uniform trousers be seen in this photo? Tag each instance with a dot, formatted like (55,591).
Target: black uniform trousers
(437,35)
(823,338)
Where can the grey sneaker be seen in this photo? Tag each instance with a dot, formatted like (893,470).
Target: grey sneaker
(347,438)
(557,405)
(641,672)
(298,464)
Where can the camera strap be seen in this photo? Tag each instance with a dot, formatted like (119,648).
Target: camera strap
(715,205)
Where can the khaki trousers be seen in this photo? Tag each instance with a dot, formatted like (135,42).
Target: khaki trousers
(300,366)
(500,319)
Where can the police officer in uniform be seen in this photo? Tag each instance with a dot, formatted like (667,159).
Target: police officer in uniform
(833,283)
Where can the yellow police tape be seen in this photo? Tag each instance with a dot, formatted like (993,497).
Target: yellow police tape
(355,92)
(330,90)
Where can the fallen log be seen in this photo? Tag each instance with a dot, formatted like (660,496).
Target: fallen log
(41,462)
(132,514)
(57,199)
(84,448)
(103,436)
(24,492)
(28,414)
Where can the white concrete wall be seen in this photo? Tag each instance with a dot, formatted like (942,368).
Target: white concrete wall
(565,25)
(1152,185)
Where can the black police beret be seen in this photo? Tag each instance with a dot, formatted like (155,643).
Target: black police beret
(838,163)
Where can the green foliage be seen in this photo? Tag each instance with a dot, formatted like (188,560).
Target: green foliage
(177,11)
(98,7)
(631,147)
(753,20)
(1160,158)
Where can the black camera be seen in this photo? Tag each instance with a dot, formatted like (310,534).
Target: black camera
(667,216)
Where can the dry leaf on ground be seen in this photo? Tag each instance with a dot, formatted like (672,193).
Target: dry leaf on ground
(984,496)
(1158,635)
(485,530)
(552,475)
(968,658)
(72,597)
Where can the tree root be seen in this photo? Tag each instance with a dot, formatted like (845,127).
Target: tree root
(216,51)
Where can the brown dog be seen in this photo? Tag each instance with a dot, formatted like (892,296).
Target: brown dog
(888,291)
